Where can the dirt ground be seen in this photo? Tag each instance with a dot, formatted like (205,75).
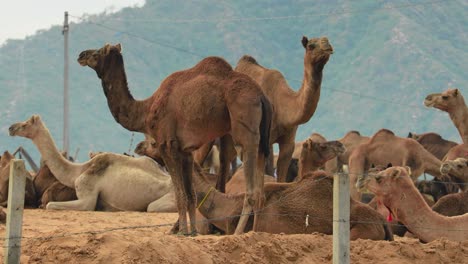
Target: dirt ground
(132,237)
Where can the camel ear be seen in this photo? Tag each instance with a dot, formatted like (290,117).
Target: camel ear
(306,143)
(106,49)
(304,41)
(408,169)
(410,135)
(389,165)
(119,47)
(35,118)
(372,166)
(455,93)
(396,173)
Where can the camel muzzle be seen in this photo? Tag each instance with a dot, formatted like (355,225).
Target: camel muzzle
(12,130)
(445,169)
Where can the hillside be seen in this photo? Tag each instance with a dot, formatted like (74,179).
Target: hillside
(388,56)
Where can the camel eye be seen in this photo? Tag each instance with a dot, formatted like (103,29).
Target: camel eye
(460,166)
(445,97)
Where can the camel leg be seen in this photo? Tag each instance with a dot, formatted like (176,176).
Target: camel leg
(85,191)
(284,158)
(270,166)
(180,166)
(259,182)
(250,158)
(227,152)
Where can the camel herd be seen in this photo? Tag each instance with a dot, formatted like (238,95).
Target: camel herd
(215,111)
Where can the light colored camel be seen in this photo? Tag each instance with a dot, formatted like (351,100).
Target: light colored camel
(351,140)
(115,182)
(30,194)
(190,108)
(457,170)
(452,102)
(287,206)
(434,143)
(383,148)
(290,108)
(395,189)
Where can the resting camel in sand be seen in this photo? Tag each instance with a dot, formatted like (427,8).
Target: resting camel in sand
(30,195)
(316,137)
(383,148)
(290,108)
(434,143)
(287,206)
(452,102)
(351,140)
(395,189)
(192,107)
(113,182)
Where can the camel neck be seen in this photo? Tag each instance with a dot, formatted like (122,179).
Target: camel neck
(58,165)
(432,163)
(306,164)
(306,99)
(418,217)
(127,111)
(215,205)
(459,117)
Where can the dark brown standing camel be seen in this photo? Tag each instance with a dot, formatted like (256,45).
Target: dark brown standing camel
(434,143)
(290,108)
(452,102)
(383,148)
(192,107)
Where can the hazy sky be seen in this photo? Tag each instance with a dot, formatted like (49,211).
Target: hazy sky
(20,18)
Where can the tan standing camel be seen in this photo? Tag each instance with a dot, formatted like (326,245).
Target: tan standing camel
(192,107)
(434,143)
(290,108)
(291,208)
(112,181)
(351,140)
(395,189)
(452,102)
(384,148)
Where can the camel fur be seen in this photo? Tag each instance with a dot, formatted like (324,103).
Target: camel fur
(383,148)
(30,194)
(115,182)
(395,189)
(290,108)
(190,108)
(434,143)
(452,102)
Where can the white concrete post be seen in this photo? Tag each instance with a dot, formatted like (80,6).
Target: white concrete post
(341,198)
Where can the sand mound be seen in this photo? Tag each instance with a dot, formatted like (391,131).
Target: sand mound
(130,237)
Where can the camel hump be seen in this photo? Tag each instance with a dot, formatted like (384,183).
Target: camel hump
(353,132)
(213,65)
(383,133)
(249,59)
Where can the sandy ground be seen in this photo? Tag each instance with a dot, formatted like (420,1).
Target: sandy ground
(131,237)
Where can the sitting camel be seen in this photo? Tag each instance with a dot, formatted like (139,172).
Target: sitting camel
(452,102)
(316,137)
(457,170)
(287,207)
(30,194)
(383,148)
(107,180)
(49,189)
(434,143)
(395,189)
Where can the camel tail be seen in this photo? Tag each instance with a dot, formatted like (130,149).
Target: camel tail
(388,232)
(265,125)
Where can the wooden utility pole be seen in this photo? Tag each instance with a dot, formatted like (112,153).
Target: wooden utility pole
(341,204)
(14,223)
(65,86)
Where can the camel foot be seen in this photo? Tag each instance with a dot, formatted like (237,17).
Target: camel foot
(192,234)
(175,228)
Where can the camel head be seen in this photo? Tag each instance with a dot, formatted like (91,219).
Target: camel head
(447,101)
(318,50)
(28,128)
(413,135)
(387,185)
(149,148)
(457,169)
(5,159)
(320,152)
(99,59)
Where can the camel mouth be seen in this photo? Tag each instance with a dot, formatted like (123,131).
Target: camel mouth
(428,103)
(82,62)
(12,130)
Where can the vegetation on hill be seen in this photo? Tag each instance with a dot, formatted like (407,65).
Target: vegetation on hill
(388,56)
